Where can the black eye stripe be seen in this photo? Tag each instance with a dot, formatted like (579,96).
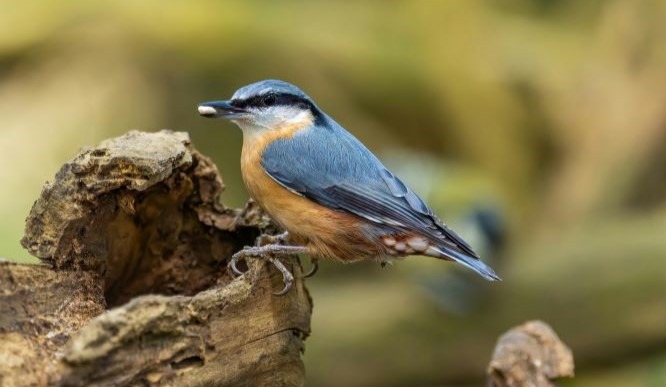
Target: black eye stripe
(281,99)
(273,99)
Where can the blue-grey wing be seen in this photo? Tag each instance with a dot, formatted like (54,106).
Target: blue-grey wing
(331,167)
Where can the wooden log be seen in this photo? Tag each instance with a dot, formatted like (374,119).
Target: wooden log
(134,289)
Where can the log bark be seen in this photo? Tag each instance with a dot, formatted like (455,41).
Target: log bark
(133,287)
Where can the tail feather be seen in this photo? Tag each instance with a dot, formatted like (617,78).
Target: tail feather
(473,263)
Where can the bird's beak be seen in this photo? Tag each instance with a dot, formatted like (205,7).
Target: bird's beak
(219,109)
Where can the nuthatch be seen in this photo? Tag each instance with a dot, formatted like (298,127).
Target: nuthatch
(332,195)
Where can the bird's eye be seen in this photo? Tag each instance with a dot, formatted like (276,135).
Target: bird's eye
(269,100)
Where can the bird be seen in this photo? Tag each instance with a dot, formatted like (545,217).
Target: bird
(334,197)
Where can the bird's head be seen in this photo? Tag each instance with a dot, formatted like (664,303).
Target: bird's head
(263,106)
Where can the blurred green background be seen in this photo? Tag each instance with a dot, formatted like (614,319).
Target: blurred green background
(536,128)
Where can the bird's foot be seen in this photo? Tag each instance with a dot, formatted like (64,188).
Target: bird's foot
(269,253)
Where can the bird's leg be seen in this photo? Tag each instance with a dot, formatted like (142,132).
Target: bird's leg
(279,239)
(268,253)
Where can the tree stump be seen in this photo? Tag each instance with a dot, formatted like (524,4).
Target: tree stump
(133,287)
(530,355)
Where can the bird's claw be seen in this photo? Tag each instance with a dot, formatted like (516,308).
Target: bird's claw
(287,277)
(232,268)
(313,270)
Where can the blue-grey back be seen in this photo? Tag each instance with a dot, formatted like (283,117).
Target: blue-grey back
(328,165)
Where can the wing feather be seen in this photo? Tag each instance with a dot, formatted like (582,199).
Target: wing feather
(331,167)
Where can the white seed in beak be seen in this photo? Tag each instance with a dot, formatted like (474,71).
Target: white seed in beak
(207,110)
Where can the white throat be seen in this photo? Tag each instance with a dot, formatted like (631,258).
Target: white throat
(273,118)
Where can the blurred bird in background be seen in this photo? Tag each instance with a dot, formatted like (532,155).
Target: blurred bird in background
(474,204)
(333,196)
(456,291)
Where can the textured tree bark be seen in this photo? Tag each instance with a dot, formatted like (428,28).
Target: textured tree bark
(530,355)
(133,288)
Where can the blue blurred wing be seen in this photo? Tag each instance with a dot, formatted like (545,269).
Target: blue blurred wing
(328,165)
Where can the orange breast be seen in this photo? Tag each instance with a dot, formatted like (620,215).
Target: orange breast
(326,232)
